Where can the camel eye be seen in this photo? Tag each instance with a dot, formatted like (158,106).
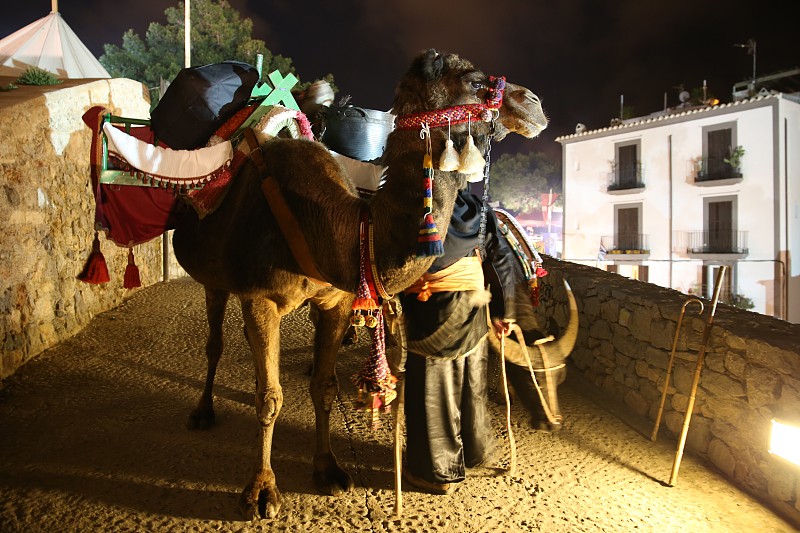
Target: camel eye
(478,85)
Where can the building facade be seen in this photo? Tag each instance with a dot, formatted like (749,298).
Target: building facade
(671,197)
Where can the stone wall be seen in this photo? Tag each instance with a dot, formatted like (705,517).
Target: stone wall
(751,372)
(46,229)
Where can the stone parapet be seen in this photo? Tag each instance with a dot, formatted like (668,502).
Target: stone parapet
(47,229)
(751,371)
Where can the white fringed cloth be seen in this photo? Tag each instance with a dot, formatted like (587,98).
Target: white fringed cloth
(165,167)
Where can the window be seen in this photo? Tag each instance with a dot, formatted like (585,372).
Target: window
(720,224)
(718,144)
(627,169)
(627,223)
(709,278)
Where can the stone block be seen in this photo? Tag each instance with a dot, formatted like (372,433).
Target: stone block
(656,358)
(730,411)
(762,385)
(637,403)
(735,343)
(600,329)
(662,334)
(721,385)
(720,456)
(735,364)
(624,317)
(609,311)
(698,437)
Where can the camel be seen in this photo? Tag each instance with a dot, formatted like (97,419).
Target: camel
(239,249)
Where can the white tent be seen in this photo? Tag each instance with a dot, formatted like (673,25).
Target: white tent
(49,44)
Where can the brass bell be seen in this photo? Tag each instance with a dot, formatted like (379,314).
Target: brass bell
(371,321)
(357,319)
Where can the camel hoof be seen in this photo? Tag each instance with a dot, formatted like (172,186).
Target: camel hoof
(332,481)
(201,419)
(258,500)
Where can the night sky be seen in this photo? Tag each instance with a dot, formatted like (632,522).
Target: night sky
(579,56)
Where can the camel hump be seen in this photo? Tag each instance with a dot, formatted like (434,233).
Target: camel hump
(306,167)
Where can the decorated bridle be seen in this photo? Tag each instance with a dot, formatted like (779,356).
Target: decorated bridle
(470,161)
(459,114)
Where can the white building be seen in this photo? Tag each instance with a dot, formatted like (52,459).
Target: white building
(661,199)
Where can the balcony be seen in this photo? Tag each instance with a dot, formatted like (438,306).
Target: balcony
(625,180)
(729,243)
(626,246)
(711,171)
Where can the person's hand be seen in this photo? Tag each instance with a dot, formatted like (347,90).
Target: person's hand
(501,327)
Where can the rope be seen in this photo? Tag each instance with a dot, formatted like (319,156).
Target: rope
(512,468)
(553,419)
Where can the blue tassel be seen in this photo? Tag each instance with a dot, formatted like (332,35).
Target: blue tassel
(429,242)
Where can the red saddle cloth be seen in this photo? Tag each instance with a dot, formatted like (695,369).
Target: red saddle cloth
(129,214)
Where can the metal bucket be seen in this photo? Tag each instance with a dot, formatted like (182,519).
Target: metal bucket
(356,132)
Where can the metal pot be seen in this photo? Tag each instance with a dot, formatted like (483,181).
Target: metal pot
(356,132)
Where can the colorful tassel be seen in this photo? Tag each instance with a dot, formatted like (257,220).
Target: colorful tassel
(132,279)
(429,242)
(376,384)
(95,271)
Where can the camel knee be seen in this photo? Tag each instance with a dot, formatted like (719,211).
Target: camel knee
(268,405)
(325,392)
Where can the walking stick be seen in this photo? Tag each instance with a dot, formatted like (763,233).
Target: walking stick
(398,449)
(671,362)
(696,379)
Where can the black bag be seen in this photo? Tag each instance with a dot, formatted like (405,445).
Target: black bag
(199,100)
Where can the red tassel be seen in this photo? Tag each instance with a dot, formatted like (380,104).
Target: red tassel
(131,273)
(95,271)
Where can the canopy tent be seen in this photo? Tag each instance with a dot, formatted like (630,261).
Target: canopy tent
(50,44)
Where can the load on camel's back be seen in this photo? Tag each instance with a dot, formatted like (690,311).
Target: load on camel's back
(290,229)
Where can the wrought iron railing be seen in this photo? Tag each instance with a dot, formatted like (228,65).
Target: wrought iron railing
(717,242)
(626,243)
(621,179)
(715,168)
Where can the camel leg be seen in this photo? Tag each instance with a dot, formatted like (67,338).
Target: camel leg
(216,302)
(328,477)
(261,498)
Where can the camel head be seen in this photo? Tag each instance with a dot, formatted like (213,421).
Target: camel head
(440,88)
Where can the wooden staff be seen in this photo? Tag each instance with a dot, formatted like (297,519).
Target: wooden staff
(672,362)
(398,448)
(696,380)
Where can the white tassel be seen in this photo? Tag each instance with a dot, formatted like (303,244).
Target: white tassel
(471,160)
(449,160)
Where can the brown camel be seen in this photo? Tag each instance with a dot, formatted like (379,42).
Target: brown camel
(240,249)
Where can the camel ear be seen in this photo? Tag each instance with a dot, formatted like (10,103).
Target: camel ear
(432,65)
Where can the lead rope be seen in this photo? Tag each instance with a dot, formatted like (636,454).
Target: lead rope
(553,419)
(512,467)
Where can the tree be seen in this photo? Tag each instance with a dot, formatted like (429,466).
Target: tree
(518,180)
(218,34)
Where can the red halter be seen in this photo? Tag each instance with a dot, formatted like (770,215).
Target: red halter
(459,114)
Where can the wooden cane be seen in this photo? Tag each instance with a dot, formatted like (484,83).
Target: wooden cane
(671,362)
(696,379)
(398,448)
